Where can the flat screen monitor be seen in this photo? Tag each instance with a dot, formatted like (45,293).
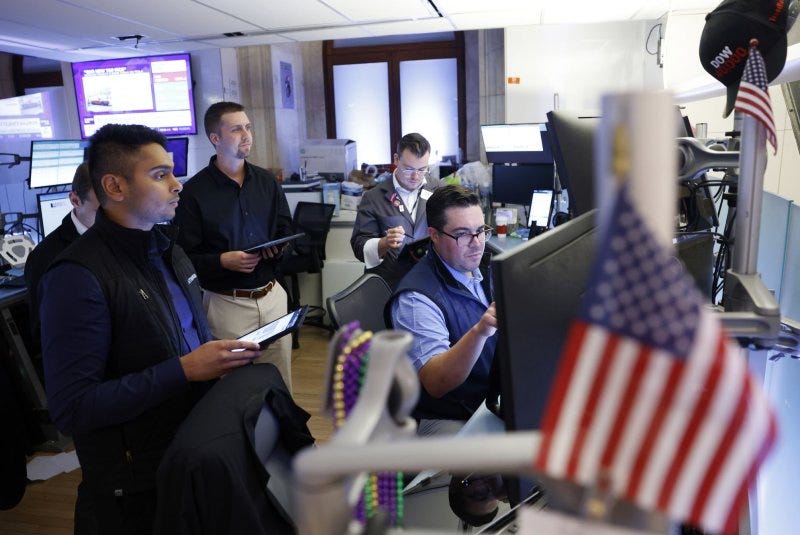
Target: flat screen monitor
(513,184)
(572,140)
(26,117)
(516,143)
(538,288)
(155,91)
(178,147)
(541,208)
(52,209)
(53,162)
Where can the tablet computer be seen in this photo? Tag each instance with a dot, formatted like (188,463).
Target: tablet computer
(256,248)
(412,252)
(273,330)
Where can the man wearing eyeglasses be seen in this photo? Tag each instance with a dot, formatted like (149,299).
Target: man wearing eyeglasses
(446,302)
(392,214)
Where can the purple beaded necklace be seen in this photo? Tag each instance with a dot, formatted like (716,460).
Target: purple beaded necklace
(383,490)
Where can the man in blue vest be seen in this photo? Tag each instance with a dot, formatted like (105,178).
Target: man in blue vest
(445,301)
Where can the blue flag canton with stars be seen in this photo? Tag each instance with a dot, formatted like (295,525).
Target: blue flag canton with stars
(639,290)
(755,71)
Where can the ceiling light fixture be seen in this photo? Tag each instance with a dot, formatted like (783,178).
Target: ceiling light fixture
(129,37)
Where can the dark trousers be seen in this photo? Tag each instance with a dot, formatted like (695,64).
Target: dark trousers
(97,514)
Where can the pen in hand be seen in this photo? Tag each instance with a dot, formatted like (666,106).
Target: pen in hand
(386,232)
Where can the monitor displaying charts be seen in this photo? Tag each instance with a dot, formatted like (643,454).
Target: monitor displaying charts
(52,209)
(53,161)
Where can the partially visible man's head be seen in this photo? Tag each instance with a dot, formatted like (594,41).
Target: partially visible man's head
(411,159)
(450,196)
(82,196)
(113,150)
(414,143)
(456,227)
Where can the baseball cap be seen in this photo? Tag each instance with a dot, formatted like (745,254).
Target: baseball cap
(725,41)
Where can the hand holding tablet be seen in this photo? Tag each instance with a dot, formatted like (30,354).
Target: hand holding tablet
(273,330)
(256,248)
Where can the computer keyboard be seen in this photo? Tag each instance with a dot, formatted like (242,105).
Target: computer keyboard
(12,281)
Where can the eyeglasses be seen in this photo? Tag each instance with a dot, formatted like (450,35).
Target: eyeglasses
(408,171)
(464,239)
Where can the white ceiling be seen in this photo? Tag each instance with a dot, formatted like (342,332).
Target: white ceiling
(75,30)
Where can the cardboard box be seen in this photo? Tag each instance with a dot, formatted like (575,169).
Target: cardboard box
(332,159)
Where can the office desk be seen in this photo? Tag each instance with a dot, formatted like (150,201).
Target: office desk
(26,373)
(499,245)
(16,346)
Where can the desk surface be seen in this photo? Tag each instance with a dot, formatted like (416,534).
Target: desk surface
(499,245)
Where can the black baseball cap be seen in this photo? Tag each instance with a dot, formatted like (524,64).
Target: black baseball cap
(725,41)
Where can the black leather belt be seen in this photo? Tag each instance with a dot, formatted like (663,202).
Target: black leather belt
(258,293)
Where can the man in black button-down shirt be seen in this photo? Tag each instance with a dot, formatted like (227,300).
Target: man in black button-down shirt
(227,207)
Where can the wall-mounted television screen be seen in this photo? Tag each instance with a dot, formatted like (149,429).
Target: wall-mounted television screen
(155,91)
(26,117)
(53,161)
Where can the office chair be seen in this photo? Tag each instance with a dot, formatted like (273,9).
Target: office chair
(307,255)
(363,300)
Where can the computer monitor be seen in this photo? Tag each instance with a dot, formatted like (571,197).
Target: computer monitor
(179,148)
(538,288)
(52,209)
(572,142)
(513,184)
(53,162)
(516,143)
(541,208)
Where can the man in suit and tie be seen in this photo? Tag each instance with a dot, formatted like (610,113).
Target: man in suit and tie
(392,214)
(81,217)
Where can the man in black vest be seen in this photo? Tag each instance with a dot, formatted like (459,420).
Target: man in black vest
(76,222)
(446,301)
(125,343)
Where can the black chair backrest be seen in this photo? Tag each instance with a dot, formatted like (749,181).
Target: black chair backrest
(364,300)
(313,218)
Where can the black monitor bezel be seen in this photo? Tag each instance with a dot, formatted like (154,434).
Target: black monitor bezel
(65,193)
(538,289)
(184,144)
(572,143)
(83,142)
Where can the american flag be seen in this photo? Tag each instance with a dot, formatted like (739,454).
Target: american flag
(753,97)
(651,400)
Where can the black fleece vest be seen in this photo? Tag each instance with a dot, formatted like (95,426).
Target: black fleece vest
(122,459)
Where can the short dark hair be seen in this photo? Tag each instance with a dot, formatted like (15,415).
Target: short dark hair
(414,143)
(82,182)
(215,112)
(113,150)
(446,197)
